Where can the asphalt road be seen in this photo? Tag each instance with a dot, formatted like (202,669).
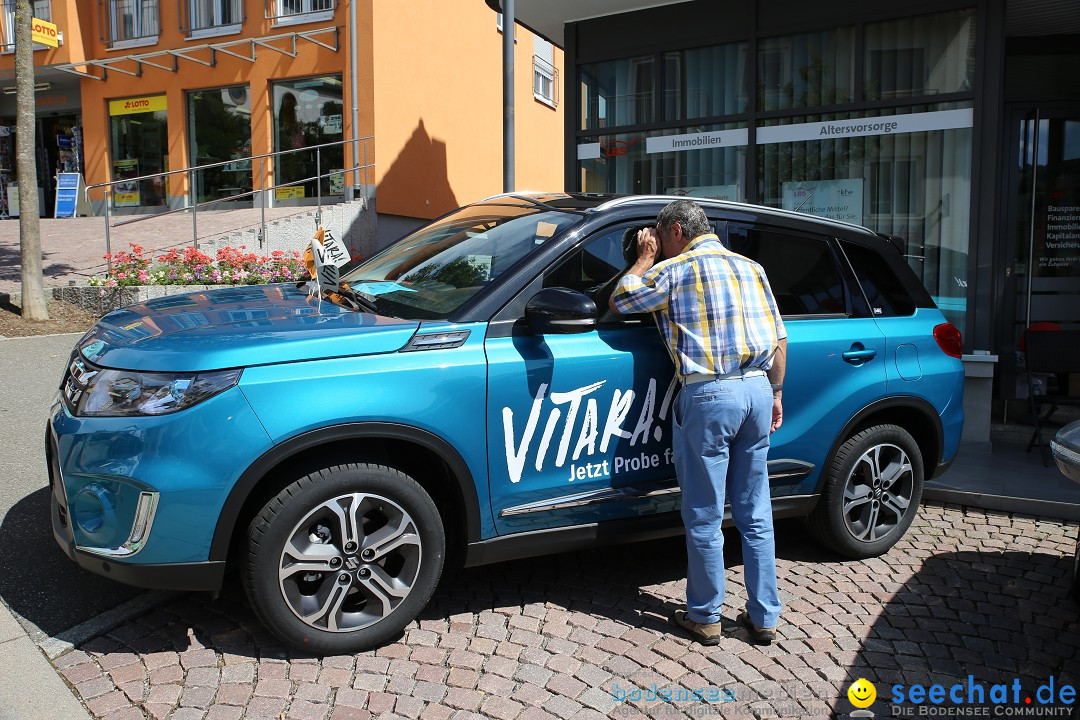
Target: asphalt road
(49,593)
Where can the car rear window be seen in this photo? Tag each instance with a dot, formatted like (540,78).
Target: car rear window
(884,290)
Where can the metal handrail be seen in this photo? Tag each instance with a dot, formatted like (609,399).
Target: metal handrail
(194,205)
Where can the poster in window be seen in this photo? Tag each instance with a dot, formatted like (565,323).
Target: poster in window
(126,194)
(834,199)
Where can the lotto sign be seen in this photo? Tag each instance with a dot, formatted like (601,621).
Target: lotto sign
(44,32)
(133,106)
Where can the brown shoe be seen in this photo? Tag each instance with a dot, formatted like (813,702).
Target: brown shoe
(760,635)
(704,633)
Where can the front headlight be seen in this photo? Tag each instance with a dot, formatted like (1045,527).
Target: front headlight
(124,392)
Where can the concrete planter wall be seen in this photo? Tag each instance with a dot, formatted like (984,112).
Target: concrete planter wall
(103,300)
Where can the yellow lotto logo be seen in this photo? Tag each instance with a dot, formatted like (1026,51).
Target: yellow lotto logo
(44,32)
(862,693)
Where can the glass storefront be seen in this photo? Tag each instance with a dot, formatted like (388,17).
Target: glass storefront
(138,145)
(865,123)
(308,112)
(219,130)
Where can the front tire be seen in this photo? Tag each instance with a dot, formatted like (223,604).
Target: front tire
(872,491)
(341,560)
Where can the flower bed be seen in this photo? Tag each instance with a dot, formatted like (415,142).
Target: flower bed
(232,266)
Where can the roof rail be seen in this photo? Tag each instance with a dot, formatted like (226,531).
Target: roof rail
(512,193)
(732,204)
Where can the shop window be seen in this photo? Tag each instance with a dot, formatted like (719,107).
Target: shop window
(139,143)
(284,12)
(806,70)
(545,74)
(915,186)
(634,163)
(925,55)
(211,17)
(129,21)
(619,92)
(308,112)
(219,130)
(706,82)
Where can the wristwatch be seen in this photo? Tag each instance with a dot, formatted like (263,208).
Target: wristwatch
(777,387)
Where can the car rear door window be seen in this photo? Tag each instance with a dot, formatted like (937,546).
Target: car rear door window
(801,269)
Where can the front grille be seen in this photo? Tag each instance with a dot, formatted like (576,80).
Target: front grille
(76,379)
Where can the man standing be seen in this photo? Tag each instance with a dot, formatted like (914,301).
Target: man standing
(718,314)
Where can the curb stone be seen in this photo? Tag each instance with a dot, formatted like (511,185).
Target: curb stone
(30,689)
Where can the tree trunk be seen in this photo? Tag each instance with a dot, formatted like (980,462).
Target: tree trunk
(33,280)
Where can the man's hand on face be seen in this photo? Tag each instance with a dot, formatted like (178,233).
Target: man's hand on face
(648,245)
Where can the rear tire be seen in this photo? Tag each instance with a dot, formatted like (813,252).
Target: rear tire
(872,490)
(341,560)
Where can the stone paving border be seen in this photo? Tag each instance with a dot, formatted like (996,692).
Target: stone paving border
(572,637)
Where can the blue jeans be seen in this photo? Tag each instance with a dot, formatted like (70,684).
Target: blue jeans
(721,448)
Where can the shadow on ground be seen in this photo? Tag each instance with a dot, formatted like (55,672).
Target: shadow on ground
(39,582)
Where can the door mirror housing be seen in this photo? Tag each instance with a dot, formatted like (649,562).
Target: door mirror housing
(561,311)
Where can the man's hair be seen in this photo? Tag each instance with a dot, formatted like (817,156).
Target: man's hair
(688,214)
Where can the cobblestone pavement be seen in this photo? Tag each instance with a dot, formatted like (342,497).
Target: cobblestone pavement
(570,636)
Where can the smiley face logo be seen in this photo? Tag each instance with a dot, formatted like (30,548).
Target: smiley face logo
(862,693)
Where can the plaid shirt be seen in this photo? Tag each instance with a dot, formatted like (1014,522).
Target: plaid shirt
(721,313)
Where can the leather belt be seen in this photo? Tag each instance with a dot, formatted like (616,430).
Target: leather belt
(694,378)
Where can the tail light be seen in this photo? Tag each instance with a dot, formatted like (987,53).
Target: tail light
(949,340)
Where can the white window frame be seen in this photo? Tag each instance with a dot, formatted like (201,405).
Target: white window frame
(138,21)
(307,14)
(216,25)
(545,74)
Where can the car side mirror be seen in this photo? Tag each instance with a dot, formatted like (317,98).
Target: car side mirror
(561,311)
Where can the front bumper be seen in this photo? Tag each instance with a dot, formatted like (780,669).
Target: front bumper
(161,576)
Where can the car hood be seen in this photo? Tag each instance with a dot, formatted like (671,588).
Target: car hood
(237,327)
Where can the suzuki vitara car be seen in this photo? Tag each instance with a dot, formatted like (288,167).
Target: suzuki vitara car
(471,400)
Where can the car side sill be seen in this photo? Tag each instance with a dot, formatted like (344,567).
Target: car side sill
(636,529)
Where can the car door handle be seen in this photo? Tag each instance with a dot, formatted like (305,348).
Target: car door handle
(859,356)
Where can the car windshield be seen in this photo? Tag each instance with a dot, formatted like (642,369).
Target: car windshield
(430,274)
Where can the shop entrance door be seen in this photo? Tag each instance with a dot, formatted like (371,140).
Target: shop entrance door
(1044,219)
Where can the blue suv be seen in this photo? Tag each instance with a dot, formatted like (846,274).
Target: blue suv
(469,400)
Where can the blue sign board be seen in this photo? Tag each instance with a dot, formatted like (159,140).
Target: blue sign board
(67,194)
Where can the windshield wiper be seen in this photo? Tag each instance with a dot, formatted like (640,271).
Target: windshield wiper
(362,300)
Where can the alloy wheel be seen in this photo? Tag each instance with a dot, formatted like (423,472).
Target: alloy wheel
(877,492)
(350,562)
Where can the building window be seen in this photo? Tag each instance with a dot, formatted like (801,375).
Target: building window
(220,16)
(807,70)
(139,142)
(545,74)
(219,130)
(42,11)
(706,82)
(925,55)
(285,11)
(129,20)
(308,112)
(618,92)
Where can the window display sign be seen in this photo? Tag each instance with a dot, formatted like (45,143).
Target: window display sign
(1060,255)
(696,141)
(126,194)
(863,127)
(835,199)
(711,192)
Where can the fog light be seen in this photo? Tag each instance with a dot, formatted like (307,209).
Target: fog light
(91,507)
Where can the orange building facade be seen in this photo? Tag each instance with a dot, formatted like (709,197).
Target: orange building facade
(139,87)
